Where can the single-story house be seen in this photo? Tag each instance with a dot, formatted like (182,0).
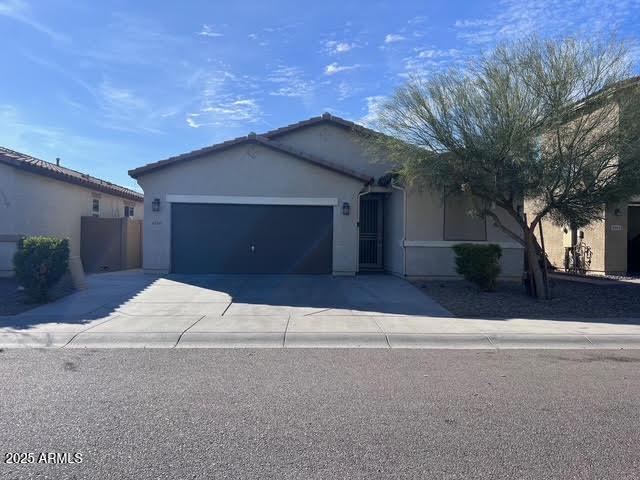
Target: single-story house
(43,198)
(305,198)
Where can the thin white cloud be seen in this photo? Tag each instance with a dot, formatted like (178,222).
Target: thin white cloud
(513,19)
(439,53)
(207,31)
(191,120)
(334,47)
(68,73)
(122,109)
(393,38)
(348,90)
(132,40)
(343,47)
(120,98)
(373,106)
(226,100)
(20,10)
(244,110)
(334,68)
(290,82)
(115,107)
(417,20)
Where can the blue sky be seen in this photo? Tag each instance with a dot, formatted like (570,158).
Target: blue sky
(111,85)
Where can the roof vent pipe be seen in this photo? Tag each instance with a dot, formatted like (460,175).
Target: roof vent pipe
(58,161)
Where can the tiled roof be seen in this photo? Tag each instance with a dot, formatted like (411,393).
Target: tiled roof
(256,139)
(41,167)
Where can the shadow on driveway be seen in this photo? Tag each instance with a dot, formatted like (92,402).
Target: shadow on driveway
(133,293)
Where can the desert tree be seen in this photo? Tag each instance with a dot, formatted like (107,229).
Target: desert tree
(535,120)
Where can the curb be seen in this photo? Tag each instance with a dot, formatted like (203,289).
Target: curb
(231,340)
(559,341)
(125,340)
(335,340)
(444,340)
(478,341)
(608,341)
(35,339)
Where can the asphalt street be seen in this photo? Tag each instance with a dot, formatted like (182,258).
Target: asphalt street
(322,414)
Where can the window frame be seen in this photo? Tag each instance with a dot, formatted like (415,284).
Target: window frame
(455,238)
(95,207)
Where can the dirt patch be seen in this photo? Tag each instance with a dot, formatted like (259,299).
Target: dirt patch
(571,300)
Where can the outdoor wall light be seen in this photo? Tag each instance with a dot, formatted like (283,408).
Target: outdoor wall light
(617,212)
(155,205)
(345,208)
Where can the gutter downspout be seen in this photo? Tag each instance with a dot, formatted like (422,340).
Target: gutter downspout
(404,226)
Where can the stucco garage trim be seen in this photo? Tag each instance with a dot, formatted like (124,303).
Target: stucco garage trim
(250,200)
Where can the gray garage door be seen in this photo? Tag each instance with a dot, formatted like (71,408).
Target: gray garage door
(217,238)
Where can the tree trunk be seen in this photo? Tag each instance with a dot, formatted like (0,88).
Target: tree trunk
(533,260)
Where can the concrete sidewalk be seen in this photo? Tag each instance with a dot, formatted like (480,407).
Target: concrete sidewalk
(131,310)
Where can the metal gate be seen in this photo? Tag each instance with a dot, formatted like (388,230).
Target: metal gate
(371,232)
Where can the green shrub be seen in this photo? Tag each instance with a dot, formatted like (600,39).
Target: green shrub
(39,263)
(479,264)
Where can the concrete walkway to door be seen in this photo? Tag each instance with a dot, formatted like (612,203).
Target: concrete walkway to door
(130,309)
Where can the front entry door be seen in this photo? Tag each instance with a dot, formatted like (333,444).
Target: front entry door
(371,232)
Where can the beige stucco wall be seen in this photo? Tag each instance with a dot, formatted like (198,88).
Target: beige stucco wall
(437,260)
(337,144)
(255,171)
(32,204)
(393,240)
(425,215)
(429,251)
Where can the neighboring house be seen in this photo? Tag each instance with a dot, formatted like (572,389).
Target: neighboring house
(42,198)
(611,245)
(306,198)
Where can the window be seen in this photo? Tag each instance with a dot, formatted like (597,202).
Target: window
(128,211)
(95,207)
(459,221)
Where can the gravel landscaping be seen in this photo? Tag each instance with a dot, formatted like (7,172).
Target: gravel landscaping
(12,300)
(571,300)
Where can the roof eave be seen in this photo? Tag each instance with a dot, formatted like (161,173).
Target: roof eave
(70,179)
(257,139)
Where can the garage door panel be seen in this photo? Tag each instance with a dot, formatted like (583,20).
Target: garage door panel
(218,238)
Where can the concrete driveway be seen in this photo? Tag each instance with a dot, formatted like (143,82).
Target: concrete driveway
(130,309)
(133,309)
